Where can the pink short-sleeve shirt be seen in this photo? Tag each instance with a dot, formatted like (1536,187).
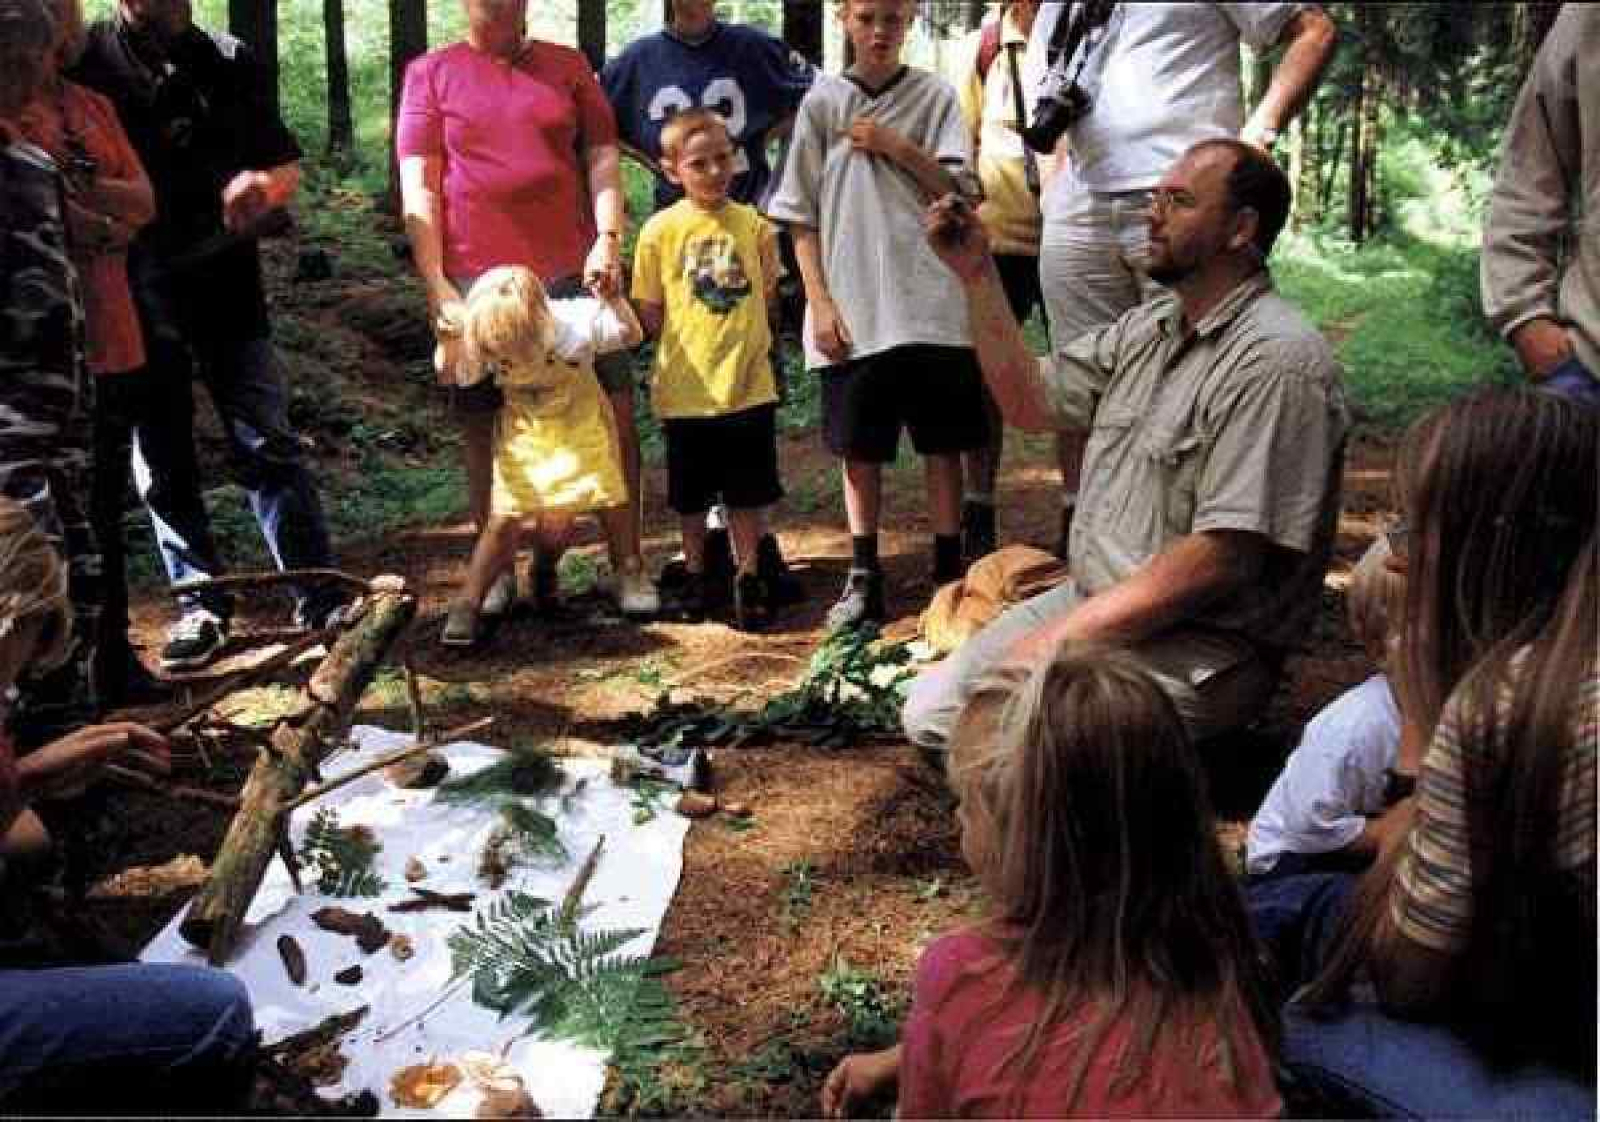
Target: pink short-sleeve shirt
(512,137)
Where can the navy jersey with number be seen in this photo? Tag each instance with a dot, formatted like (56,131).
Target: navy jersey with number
(746,75)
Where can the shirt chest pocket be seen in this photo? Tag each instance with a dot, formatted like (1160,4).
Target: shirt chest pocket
(1175,457)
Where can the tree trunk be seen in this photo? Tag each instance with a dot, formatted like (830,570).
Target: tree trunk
(1373,134)
(341,123)
(256,22)
(300,740)
(1356,201)
(408,38)
(802,30)
(592,31)
(1326,199)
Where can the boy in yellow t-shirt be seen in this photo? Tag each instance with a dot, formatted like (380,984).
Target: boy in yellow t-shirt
(704,274)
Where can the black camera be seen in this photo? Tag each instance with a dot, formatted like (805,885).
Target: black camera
(1055,113)
(1063,101)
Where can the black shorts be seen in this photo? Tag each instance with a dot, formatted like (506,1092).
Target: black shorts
(731,459)
(935,392)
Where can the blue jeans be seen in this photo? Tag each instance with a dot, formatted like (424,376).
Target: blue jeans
(1367,1062)
(120,1039)
(247,387)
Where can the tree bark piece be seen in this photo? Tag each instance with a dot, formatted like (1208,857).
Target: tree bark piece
(300,740)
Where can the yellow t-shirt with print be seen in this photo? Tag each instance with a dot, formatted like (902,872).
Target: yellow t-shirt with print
(707,271)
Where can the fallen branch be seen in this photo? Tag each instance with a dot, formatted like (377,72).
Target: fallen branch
(130,778)
(239,679)
(301,739)
(573,900)
(332,785)
(419,720)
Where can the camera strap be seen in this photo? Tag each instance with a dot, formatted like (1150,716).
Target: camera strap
(1067,38)
(1030,163)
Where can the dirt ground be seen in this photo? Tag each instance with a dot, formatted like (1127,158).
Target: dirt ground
(852,855)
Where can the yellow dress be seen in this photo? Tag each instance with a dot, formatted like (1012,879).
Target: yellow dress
(556,446)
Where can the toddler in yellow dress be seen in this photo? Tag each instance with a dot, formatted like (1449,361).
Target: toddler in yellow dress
(555,452)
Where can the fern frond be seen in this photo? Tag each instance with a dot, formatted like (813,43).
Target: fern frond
(526,769)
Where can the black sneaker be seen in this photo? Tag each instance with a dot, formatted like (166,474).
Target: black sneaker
(977,530)
(688,600)
(861,602)
(752,602)
(194,641)
(783,587)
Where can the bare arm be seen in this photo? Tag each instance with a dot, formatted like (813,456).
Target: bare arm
(421,192)
(1009,367)
(1309,40)
(1190,573)
(604,163)
(828,328)
(252,193)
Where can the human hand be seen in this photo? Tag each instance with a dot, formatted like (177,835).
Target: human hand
(867,135)
(68,764)
(246,199)
(957,237)
(603,266)
(828,331)
(92,230)
(858,1079)
(1541,344)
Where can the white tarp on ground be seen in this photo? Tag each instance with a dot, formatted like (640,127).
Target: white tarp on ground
(634,883)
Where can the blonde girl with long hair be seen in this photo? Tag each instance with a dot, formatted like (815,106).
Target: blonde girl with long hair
(1115,975)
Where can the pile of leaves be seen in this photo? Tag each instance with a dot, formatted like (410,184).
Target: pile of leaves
(849,694)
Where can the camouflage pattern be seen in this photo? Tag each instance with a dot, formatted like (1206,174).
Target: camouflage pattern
(46,416)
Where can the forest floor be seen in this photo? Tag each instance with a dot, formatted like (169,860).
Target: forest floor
(797,930)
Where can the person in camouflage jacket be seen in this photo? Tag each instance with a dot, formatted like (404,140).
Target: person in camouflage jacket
(46,408)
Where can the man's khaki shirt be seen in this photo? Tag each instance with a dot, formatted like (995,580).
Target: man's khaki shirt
(1237,425)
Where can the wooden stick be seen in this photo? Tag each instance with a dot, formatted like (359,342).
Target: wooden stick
(573,900)
(272,580)
(238,679)
(419,721)
(314,793)
(300,739)
(130,778)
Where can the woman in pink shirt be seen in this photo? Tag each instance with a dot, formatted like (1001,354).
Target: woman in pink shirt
(1116,975)
(109,199)
(508,156)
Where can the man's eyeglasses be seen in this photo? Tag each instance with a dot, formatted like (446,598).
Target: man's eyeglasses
(1163,198)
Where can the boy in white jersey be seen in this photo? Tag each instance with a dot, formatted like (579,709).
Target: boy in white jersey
(884,326)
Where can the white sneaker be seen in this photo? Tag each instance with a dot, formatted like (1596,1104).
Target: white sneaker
(636,593)
(194,641)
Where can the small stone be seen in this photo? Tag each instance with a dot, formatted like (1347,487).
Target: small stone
(349,976)
(401,947)
(294,959)
(692,804)
(417,772)
(415,870)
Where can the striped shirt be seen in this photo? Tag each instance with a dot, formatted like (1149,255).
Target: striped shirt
(1432,899)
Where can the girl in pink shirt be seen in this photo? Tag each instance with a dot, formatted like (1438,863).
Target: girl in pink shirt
(1116,975)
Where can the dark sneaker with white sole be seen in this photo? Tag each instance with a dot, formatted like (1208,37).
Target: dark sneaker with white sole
(783,587)
(194,641)
(861,602)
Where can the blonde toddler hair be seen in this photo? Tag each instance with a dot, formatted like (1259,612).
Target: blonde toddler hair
(507,318)
(33,581)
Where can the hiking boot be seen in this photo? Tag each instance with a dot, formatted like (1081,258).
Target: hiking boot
(718,564)
(636,596)
(752,602)
(461,625)
(977,530)
(861,602)
(783,587)
(673,576)
(195,640)
(688,597)
(501,596)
